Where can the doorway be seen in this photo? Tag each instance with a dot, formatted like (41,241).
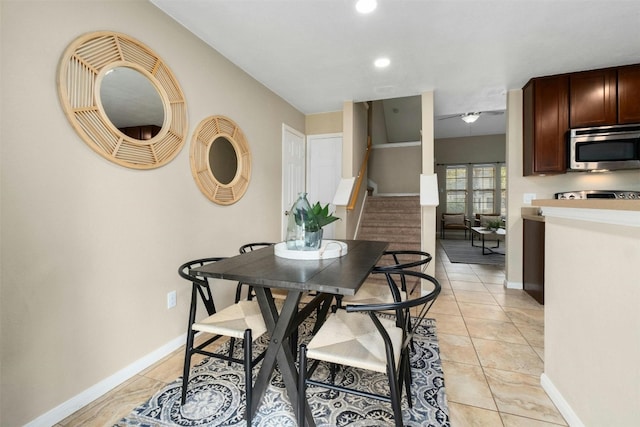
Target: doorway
(293,170)
(324,171)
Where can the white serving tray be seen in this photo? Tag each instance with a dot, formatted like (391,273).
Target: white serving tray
(328,249)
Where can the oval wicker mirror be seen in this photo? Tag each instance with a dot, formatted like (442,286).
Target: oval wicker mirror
(220,160)
(85,70)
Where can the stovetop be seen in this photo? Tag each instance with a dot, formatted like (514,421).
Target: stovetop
(599,194)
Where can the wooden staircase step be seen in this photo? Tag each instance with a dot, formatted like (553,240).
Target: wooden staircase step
(399,204)
(403,218)
(399,232)
(392,219)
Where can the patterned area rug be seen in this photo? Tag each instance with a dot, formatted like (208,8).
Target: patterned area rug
(461,251)
(216,395)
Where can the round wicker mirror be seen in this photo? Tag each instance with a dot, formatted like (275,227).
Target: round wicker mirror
(86,74)
(220,160)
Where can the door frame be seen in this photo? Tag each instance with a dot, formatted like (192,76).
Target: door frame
(285,184)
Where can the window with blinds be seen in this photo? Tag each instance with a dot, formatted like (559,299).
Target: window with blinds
(456,189)
(488,189)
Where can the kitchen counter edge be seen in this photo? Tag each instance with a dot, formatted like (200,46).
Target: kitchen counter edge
(609,204)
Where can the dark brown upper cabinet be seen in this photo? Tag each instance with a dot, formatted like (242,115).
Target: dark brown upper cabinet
(545,125)
(629,94)
(593,98)
(552,105)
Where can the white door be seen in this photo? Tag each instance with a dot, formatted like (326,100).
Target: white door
(293,170)
(324,170)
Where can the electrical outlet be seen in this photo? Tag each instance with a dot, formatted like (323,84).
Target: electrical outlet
(528,197)
(171,299)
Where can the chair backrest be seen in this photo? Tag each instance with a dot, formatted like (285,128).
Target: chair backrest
(453,219)
(409,324)
(249,247)
(409,258)
(483,219)
(200,285)
(253,246)
(404,259)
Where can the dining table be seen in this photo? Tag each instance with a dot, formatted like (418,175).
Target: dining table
(322,278)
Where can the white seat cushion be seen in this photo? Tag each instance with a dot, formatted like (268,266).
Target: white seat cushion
(281,294)
(278,293)
(232,321)
(352,339)
(373,292)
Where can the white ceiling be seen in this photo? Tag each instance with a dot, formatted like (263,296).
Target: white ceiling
(316,54)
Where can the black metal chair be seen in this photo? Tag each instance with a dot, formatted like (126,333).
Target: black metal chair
(378,291)
(458,221)
(243,250)
(375,291)
(241,320)
(370,342)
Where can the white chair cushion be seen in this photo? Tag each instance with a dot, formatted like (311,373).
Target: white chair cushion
(373,292)
(281,294)
(352,339)
(232,321)
(278,293)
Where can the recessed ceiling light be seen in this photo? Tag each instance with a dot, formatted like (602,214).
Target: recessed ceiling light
(382,62)
(366,6)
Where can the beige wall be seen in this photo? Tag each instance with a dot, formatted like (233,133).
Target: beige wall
(378,124)
(470,149)
(316,124)
(354,146)
(396,168)
(592,321)
(90,249)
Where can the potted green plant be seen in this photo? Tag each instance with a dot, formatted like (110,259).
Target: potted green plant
(494,224)
(304,231)
(322,214)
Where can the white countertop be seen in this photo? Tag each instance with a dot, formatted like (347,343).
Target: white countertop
(606,211)
(613,204)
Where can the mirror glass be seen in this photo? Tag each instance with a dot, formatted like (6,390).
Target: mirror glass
(223,160)
(132,103)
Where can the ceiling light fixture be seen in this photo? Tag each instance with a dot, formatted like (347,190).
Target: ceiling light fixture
(382,62)
(366,6)
(470,117)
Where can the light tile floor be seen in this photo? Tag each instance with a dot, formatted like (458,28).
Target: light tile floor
(491,344)
(492,348)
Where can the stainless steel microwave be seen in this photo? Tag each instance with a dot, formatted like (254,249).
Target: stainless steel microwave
(604,148)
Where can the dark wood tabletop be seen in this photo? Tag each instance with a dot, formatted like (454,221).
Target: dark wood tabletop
(342,276)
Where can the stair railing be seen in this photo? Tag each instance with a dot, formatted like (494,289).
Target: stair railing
(356,190)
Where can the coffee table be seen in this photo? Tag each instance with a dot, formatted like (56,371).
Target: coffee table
(483,233)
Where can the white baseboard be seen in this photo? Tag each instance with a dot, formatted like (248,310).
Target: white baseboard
(513,285)
(67,408)
(563,406)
